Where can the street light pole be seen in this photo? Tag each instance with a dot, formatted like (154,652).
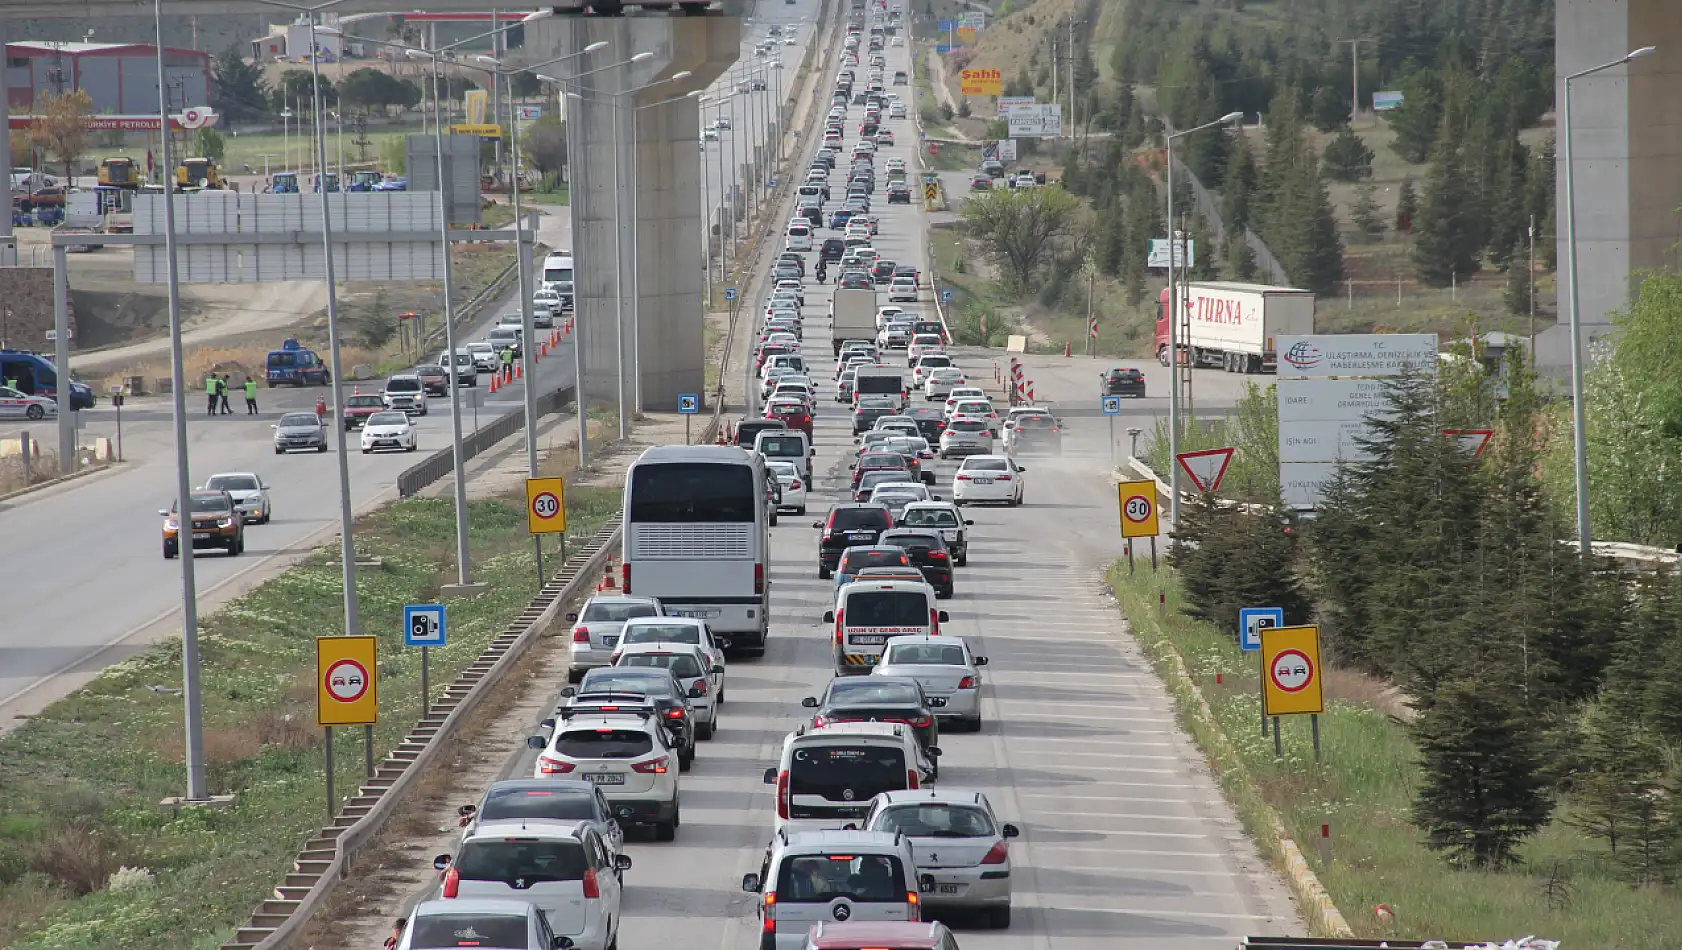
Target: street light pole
(1173,324)
(1579,413)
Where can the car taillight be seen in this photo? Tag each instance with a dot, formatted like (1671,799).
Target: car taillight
(674,714)
(550,766)
(840,623)
(782,795)
(934,620)
(769,922)
(921,722)
(580,634)
(962,477)
(794,485)
(1055,429)
(452,882)
(911,779)
(913,904)
(819,721)
(625,577)
(759,578)
(1002,478)
(701,685)
(998,854)
(592,891)
(652,767)
(968,682)
(937,555)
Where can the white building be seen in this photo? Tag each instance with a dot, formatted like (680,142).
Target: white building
(292,42)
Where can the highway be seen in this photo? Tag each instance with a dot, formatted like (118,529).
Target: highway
(103,532)
(1127,842)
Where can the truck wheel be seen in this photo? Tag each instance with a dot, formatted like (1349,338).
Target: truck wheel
(1162,355)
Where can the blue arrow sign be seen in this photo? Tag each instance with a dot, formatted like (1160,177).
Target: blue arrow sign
(423,625)
(688,404)
(1109,405)
(1251,620)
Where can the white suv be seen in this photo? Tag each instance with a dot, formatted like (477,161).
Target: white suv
(562,867)
(701,677)
(629,757)
(815,876)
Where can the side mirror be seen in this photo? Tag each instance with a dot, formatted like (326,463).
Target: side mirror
(829,616)
(944,617)
(968,523)
(567,692)
(810,702)
(850,826)
(536,742)
(547,723)
(572,618)
(750,883)
(925,883)
(163,512)
(696,692)
(811,453)
(441,862)
(467,811)
(622,862)
(852,465)
(933,751)
(817,524)
(1020,469)
(1010,830)
(274,426)
(979,660)
(771,776)
(934,497)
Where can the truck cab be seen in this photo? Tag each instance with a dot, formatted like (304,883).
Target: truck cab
(296,365)
(284,183)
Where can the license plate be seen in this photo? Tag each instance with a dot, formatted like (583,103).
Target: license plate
(860,534)
(936,702)
(867,640)
(699,613)
(201,535)
(606,778)
(609,641)
(984,481)
(951,888)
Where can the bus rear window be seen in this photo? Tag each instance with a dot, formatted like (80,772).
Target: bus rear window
(887,608)
(690,492)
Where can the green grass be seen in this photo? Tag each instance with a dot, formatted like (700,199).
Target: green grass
(1364,788)
(559,196)
(82,780)
(248,149)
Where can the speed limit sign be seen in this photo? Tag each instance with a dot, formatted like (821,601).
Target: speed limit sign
(546,509)
(1138,509)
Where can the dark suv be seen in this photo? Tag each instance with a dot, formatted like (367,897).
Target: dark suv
(1036,433)
(926,549)
(847,526)
(1122,382)
(899,193)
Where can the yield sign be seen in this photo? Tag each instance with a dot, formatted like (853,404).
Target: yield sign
(1472,440)
(1206,468)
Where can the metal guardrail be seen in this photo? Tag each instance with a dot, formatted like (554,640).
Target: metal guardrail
(1337,943)
(323,861)
(435,466)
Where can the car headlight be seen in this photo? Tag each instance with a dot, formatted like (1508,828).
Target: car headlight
(227,522)
(172,526)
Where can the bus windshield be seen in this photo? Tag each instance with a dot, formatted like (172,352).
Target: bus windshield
(692,492)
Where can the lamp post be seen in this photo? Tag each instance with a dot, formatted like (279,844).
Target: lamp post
(285,138)
(1579,414)
(1173,324)
(712,196)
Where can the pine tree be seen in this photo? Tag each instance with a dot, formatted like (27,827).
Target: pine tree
(1621,794)
(1238,186)
(1203,266)
(1419,118)
(1347,158)
(1112,236)
(1516,298)
(1407,206)
(1482,786)
(1364,213)
(1240,260)
(1448,223)
(1312,249)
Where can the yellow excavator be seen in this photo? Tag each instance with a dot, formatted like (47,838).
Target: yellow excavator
(195,173)
(119,172)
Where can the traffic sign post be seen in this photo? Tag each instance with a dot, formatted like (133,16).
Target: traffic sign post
(424,627)
(729,293)
(946,296)
(688,405)
(546,513)
(1110,406)
(1251,620)
(1139,516)
(347,693)
(1206,468)
(1291,681)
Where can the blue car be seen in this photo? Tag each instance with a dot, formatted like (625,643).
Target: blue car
(860,556)
(839,219)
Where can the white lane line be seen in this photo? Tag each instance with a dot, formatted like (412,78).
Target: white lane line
(1054,756)
(1217,856)
(1127,816)
(1132,869)
(1179,794)
(1153,912)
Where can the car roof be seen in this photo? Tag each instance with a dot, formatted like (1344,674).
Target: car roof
(470,905)
(620,599)
(631,649)
(849,837)
(530,827)
(944,796)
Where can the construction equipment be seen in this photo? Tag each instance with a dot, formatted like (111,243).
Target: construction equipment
(365,181)
(200,173)
(332,182)
(120,172)
(284,183)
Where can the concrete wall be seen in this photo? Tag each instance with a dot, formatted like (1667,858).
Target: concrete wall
(26,308)
(1627,157)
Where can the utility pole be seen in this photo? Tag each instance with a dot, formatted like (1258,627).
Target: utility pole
(1530,286)
(1354,81)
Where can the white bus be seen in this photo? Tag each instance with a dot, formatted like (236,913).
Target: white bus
(696,537)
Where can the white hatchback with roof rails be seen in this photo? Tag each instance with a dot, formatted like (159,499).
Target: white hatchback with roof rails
(563,867)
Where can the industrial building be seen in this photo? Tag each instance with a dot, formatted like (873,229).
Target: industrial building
(121,78)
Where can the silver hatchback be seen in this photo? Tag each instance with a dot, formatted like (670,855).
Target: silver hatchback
(596,628)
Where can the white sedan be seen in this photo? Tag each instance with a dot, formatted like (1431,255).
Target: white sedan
(794,486)
(940,383)
(988,478)
(388,430)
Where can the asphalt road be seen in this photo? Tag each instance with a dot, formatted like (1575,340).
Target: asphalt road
(103,534)
(1126,841)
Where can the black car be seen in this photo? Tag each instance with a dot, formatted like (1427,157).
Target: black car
(931,422)
(1037,432)
(927,550)
(859,557)
(1122,382)
(857,280)
(541,799)
(787,270)
(866,414)
(899,193)
(906,270)
(608,686)
(846,526)
(882,271)
(869,481)
(879,699)
(833,249)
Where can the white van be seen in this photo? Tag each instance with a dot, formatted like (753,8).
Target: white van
(800,236)
(828,774)
(786,445)
(867,613)
(820,876)
(557,269)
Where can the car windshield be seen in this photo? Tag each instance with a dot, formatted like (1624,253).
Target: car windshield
(926,654)
(388,419)
(887,608)
(661,633)
(528,858)
(935,820)
(555,803)
(603,742)
(292,419)
(1036,422)
(872,689)
(860,878)
(859,559)
(967,425)
(363,402)
(616,611)
(782,445)
(401,385)
(984,465)
(843,519)
(208,503)
(233,483)
(624,679)
(437,931)
(683,664)
(869,480)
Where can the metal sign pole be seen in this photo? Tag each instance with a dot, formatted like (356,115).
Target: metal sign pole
(426,681)
(537,542)
(1278,745)
(1314,724)
(329,755)
(368,751)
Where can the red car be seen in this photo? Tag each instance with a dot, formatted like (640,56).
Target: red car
(880,461)
(792,414)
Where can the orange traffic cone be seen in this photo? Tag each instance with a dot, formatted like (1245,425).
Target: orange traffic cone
(493,383)
(519,368)
(1065,349)
(608,583)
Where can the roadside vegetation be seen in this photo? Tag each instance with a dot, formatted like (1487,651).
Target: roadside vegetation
(87,858)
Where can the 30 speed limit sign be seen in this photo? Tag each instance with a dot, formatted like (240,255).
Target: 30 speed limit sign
(546,508)
(1138,509)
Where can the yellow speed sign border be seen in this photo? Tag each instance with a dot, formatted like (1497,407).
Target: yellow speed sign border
(1150,526)
(339,659)
(535,489)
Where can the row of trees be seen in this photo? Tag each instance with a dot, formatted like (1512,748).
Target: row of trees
(1546,684)
(240,92)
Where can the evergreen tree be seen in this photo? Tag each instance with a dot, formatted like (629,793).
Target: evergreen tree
(1364,213)
(1419,118)
(1112,237)
(237,87)
(1303,232)
(1622,795)
(1207,540)
(1516,298)
(1238,186)
(1448,223)
(1240,260)
(1203,266)
(1347,158)
(1482,787)
(1407,206)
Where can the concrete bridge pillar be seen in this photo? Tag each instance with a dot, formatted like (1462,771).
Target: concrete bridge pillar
(605,131)
(1627,152)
